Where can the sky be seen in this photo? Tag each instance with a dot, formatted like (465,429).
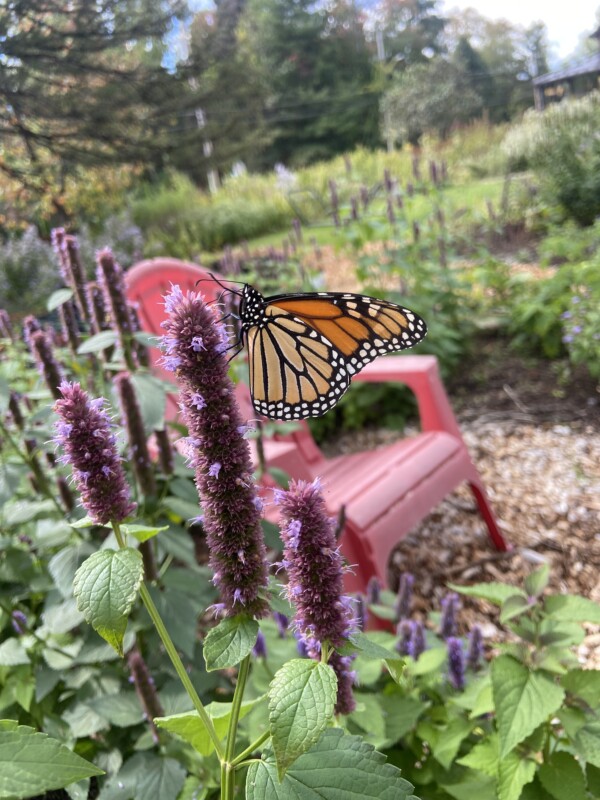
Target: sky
(565,20)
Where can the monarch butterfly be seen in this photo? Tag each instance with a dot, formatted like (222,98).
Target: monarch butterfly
(304,348)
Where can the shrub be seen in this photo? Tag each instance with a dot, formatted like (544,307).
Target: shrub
(28,273)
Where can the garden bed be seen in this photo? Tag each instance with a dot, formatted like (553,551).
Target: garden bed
(536,441)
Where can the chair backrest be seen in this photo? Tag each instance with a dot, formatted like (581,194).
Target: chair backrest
(147,283)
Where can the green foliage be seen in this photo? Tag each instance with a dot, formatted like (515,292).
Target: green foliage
(525,719)
(561,145)
(28,273)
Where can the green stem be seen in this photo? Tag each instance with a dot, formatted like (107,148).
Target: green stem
(249,750)
(174,655)
(227,771)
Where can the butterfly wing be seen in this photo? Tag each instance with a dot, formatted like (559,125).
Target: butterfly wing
(360,328)
(295,371)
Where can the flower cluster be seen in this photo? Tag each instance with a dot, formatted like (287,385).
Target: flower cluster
(194,346)
(581,326)
(314,568)
(67,250)
(84,435)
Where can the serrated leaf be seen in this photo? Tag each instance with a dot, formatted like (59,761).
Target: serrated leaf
(57,298)
(97,342)
(523,700)
(32,762)
(483,757)
(572,608)
(536,581)
(302,697)
(337,766)
(191,728)
(562,777)
(142,532)
(121,710)
(369,648)
(513,606)
(230,642)
(146,776)
(587,742)
(106,587)
(514,772)
(584,683)
(402,714)
(13,653)
(496,593)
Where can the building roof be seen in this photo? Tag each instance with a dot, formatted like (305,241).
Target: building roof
(585,67)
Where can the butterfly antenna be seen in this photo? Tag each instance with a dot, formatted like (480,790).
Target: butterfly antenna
(217,281)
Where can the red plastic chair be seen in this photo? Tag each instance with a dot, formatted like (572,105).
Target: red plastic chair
(385,492)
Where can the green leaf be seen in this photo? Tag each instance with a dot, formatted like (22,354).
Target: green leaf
(536,581)
(513,606)
(58,297)
(572,608)
(146,776)
(402,714)
(84,522)
(24,511)
(395,667)
(63,566)
(584,683)
(97,342)
(369,648)
(523,700)
(230,642)
(587,742)
(483,757)
(473,786)
(513,773)
(562,777)
(121,710)
(152,397)
(280,476)
(447,741)
(593,779)
(338,766)
(142,532)
(32,762)
(183,509)
(106,587)
(370,718)
(496,593)
(191,728)
(429,661)
(12,653)
(302,697)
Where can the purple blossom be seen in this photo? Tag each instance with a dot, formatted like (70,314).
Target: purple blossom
(417,644)
(404,598)
(345,702)
(260,648)
(231,515)
(68,322)
(456,662)
(83,434)
(73,273)
(404,631)
(373,590)
(576,329)
(448,620)
(110,278)
(47,364)
(475,648)
(138,447)
(197,344)
(360,612)
(282,623)
(315,576)
(19,622)
(31,325)
(566,315)
(567,339)
(145,689)
(198,401)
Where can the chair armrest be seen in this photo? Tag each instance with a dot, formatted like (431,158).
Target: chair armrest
(421,375)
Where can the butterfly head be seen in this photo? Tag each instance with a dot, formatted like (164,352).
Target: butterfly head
(251,309)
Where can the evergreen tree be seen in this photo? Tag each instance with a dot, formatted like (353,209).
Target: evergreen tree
(412,30)
(476,72)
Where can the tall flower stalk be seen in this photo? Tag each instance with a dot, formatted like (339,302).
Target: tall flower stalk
(314,566)
(110,278)
(49,367)
(195,345)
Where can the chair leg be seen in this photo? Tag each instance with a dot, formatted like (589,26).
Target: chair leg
(486,512)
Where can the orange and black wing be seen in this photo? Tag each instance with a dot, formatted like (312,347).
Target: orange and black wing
(360,328)
(295,371)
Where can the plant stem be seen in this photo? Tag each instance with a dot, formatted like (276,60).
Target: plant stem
(174,655)
(249,750)
(227,767)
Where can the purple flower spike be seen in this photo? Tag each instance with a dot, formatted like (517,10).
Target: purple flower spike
(417,644)
(68,323)
(19,622)
(110,278)
(345,702)
(145,689)
(315,577)
(448,620)
(218,453)
(6,329)
(475,648)
(83,434)
(404,631)
(260,648)
(138,447)
(282,623)
(456,663)
(405,592)
(48,365)
(373,591)
(31,325)
(67,250)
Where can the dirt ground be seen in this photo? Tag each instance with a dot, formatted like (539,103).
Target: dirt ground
(535,438)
